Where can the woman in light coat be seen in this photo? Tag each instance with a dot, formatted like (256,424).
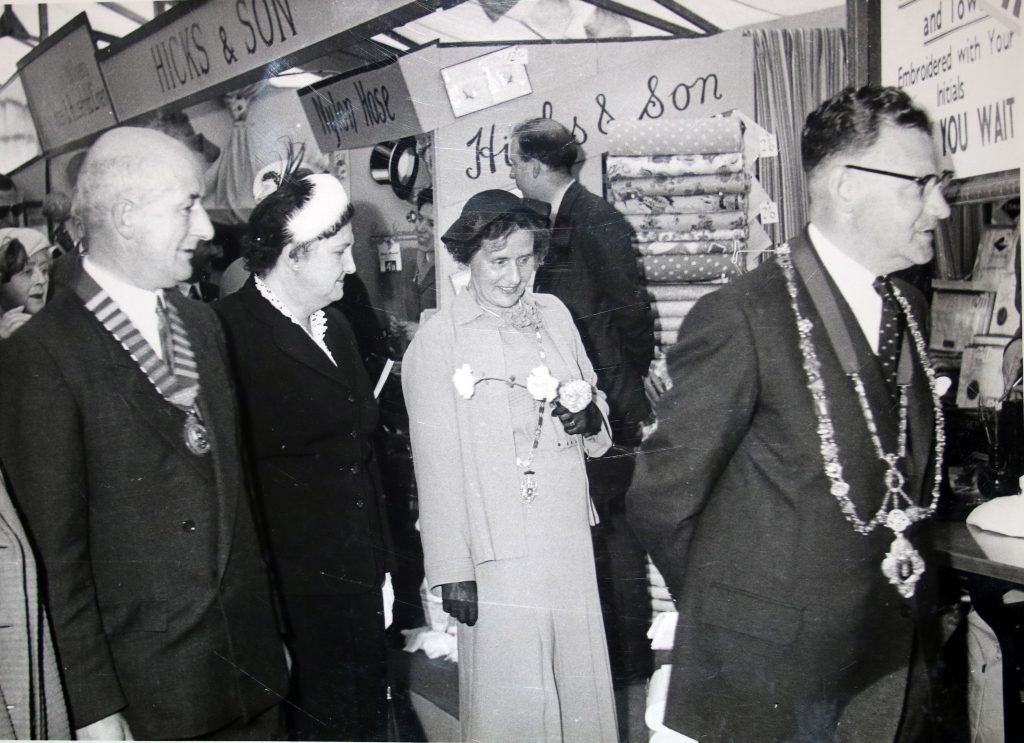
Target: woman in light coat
(503,408)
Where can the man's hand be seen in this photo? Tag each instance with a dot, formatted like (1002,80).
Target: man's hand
(657,381)
(587,422)
(459,600)
(114,727)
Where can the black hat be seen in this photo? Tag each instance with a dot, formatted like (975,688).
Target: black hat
(480,211)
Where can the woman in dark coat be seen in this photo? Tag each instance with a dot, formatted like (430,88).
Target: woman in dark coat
(309,416)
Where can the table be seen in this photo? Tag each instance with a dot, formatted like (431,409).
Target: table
(992,565)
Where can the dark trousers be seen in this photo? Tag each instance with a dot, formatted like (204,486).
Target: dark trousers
(339,667)
(267,726)
(621,569)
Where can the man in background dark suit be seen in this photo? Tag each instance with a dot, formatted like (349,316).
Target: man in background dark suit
(591,266)
(119,435)
(794,625)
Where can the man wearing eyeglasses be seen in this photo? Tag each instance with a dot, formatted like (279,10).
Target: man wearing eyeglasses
(787,493)
(11,207)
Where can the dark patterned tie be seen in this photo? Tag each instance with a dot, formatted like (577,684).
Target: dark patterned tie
(890,331)
(163,324)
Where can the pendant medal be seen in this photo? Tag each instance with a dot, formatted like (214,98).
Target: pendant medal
(195,434)
(529,487)
(903,565)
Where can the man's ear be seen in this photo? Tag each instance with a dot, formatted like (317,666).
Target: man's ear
(124,217)
(535,168)
(844,187)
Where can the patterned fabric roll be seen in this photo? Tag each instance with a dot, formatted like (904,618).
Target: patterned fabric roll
(672,307)
(651,165)
(668,323)
(665,293)
(661,269)
(675,136)
(655,236)
(688,222)
(695,247)
(701,203)
(680,185)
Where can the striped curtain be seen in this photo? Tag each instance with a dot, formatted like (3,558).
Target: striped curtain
(794,71)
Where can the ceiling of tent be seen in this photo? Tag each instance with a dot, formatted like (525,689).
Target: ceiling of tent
(453,21)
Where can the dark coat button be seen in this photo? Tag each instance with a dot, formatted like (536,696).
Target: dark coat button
(906,611)
(353,434)
(360,503)
(188,525)
(351,398)
(354,469)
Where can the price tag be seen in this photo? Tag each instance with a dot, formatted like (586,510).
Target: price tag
(769,212)
(769,144)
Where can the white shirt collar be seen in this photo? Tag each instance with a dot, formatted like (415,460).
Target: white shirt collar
(556,202)
(138,304)
(855,282)
(317,321)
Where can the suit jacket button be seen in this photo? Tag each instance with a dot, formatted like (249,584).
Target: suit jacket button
(906,611)
(354,469)
(353,434)
(360,503)
(188,525)
(351,398)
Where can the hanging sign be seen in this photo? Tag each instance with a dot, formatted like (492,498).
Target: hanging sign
(385,103)
(961,64)
(65,90)
(195,46)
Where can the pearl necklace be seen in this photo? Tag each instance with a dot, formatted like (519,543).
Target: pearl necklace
(903,565)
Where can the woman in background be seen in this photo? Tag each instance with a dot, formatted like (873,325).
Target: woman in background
(310,415)
(498,445)
(24,276)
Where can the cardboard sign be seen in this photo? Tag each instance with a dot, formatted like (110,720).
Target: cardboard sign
(961,65)
(65,89)
(195,46)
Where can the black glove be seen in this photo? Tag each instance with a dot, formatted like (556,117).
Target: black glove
(586,422)
(459,600)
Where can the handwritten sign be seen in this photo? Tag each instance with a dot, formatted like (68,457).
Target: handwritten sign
(586,87)
(196,46)
(962,66)
(65,90)
(683,78)
(360,110)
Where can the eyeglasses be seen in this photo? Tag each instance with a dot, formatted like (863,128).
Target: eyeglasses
(14,211)
(927,183)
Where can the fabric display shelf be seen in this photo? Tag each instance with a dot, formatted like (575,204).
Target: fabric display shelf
(684,186)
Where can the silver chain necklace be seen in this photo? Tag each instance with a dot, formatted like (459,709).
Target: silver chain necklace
(903,565)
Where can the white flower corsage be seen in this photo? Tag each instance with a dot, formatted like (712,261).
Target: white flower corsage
(541,385)
(575,395)
(464,381)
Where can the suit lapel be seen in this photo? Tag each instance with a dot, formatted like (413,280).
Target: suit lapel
(292,341)
(885,411)
(216,407)
(135,387)
(921,421)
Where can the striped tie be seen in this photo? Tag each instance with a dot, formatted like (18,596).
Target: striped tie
(163,324)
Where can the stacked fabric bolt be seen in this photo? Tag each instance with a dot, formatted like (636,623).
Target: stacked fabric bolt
(683,186)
